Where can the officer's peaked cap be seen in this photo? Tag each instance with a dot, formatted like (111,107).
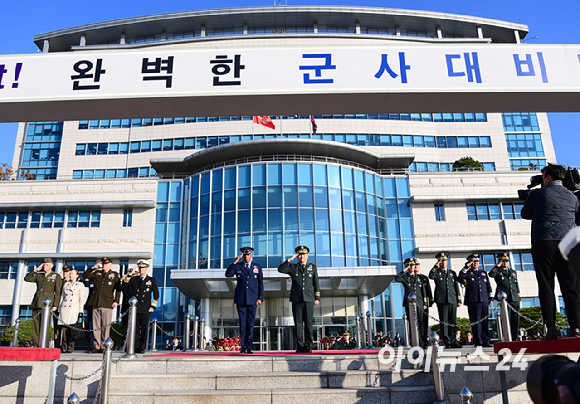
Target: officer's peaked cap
(473,257)
(441,256)
(247,250)
(302,249)
(503,256)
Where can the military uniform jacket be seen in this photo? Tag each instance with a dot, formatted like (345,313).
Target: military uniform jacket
(506,281)
(427,292)
(305,287)
(477,285)
(413,283)
(106,288)
(142,289)
(46,286)
(250,286)
(446,286)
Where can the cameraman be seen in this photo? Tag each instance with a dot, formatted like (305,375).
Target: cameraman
(552,210)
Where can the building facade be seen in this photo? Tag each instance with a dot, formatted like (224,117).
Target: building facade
(363,191)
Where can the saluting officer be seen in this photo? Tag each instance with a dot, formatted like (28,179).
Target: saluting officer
(478,296)
(127,294)
(142,287)
(413,284)
(248,296)
(428,302)
(506,280)
(305,294)
(104,298)
(448,299)
(48,284)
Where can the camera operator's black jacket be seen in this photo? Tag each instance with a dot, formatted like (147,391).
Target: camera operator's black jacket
(552,210)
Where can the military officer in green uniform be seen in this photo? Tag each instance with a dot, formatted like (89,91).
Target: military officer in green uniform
(305,294)
(506,280)
(48,284)
(103,299)
(414,284)
(448,299)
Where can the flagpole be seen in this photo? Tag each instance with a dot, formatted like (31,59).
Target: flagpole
(280,125)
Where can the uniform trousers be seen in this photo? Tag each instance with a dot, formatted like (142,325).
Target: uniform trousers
(548,262)
(448,313)
(303,329)
(36,317)
(102,316)
(477,311)
(142,330)
(125,318)
(247,315)
(514,320)
(68,342)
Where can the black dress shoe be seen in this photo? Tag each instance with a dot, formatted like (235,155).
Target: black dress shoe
(455,345)
(249,351)
(487,345)
(140,351)
(553,333)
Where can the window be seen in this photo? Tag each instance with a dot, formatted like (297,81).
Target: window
(84,218)
(439,212)
(127,217)
(8,269)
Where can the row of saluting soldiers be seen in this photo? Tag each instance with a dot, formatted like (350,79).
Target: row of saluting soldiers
(448,297)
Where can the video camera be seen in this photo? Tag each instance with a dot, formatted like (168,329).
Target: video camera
(571,181)
(547,374)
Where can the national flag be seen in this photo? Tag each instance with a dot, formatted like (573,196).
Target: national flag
(264,121)
(314,126)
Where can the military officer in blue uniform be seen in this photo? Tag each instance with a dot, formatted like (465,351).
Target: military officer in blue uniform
(478,296)
(506,280)
(305,294)
(427,302)
(448,299)
(143,286)
(413,283)
(248,296)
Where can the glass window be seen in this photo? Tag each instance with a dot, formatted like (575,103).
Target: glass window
(274,174)
(320,197)
(439,212)
(320,174)
(259,175)
(304,174)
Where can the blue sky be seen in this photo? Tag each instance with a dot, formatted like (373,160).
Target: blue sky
(551,22)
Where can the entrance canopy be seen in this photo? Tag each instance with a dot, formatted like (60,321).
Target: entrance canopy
(334,282)
(163,81)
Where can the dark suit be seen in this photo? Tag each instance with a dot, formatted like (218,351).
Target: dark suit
(46,286)
(249,289)
(478,294)
(143,289)
(447,296)
(305,290)
(506,280)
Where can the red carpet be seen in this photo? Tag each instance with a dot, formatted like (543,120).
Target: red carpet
(561,345)
(29,354)
(268,353)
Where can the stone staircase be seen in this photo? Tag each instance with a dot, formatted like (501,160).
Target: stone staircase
(260,379)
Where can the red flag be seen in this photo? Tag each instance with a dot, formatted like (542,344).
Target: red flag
(314,125)
(265,121)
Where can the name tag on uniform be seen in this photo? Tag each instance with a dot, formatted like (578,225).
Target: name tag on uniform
(256,270)
(310,275)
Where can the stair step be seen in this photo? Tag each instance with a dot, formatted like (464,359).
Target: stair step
(366,395)
(270,380)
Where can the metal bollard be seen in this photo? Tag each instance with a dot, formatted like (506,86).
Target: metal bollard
(132,330)
(370,330)
(201,333)
(73,399)
(195,330)
(505,318)
(498,326)
(45,322)
(107,355)
(466,395)
(437,378)
(186,328)
(359,332)
(413,323)
(154,335)
(405,331)
(15,336)
(363,330)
